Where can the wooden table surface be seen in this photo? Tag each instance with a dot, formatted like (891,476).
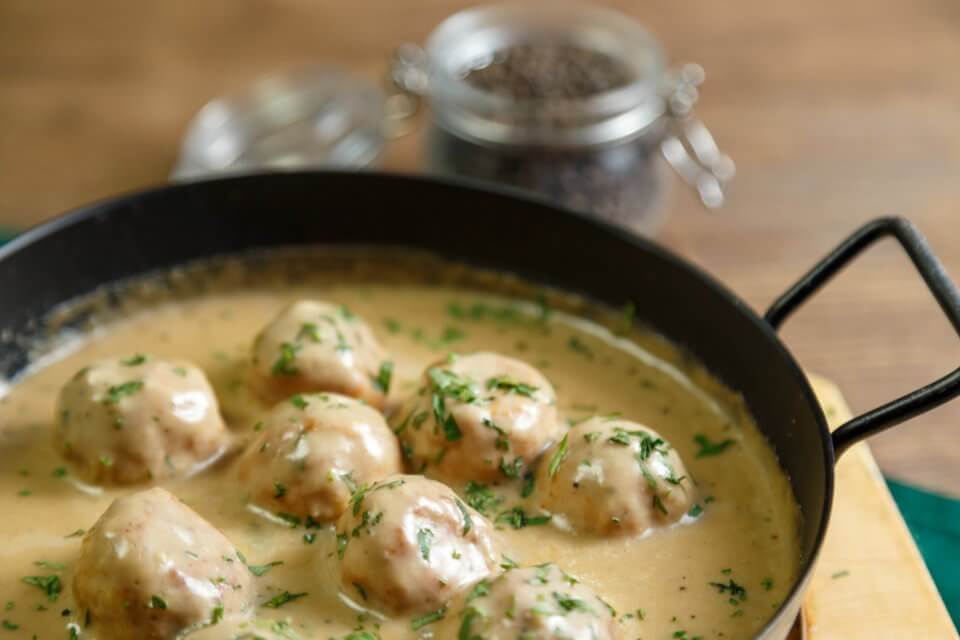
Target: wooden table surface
(835,112)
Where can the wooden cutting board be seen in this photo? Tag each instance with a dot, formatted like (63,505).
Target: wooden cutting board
(870,582)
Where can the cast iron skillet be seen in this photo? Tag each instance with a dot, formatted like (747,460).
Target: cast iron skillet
(135,234)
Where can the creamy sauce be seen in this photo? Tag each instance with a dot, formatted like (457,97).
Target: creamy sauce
(670,580)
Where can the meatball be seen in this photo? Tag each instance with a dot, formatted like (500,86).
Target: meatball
(408,544)
(480,417)
(124,421)
(614,477)
(313,450)
(318,346)
(534,603)
(151,567)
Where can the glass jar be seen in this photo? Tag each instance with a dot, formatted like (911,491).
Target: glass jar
(593,148)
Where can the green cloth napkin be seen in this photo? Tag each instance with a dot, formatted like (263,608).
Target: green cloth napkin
(933,519)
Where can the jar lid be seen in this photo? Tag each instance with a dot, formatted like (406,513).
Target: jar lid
(478,38)
(312,117)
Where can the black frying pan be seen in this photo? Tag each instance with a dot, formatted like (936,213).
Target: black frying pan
(136,234)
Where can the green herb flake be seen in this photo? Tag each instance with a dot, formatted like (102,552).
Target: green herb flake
(50,585)
(517,518)
(118,392)
(695,510)
(418,623)
(710,448)
(134,360)
(284,364)
(8,625)
(52,566)
(558,457)
(840,574)
(263,569)
(424,538)
(481,497)
(156,602)
(75,534)
(511,386)
(299,402)
(526,490)
(282,598)
(737,592)
(384,376)
(467,520)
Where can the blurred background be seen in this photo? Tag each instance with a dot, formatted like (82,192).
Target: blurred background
(835,112)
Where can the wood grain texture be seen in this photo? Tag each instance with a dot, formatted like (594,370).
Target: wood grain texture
(835,112)
(870,582)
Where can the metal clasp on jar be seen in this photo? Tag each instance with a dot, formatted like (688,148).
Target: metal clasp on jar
(689,146)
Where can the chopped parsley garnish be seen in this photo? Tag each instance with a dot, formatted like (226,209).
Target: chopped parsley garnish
(511,469)
(480,590)
(118,392)
(217,614)
(48,584)
(263,569)
(279,489)
(470,615)
(737,592)
(840,574)
(467,520)
(180,371)
(528,484)
(447,384)
(518,518)
(424,538)
(281,599)
(511,386)
(309,537)
(695,510)
(649,445)
(309,330)
(568,603)
(59,472)
(709,448)
(501,443)
(481,497)
(767,584)
(384,376)
(156,602)
(9,626)
(356,499)
(558,457)
(284,364)
(299,402)
(418,623)
(134,361)
(75,534)
(506,563)
(52,566)
(342,541)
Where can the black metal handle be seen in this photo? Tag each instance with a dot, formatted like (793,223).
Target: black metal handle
(933,273)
